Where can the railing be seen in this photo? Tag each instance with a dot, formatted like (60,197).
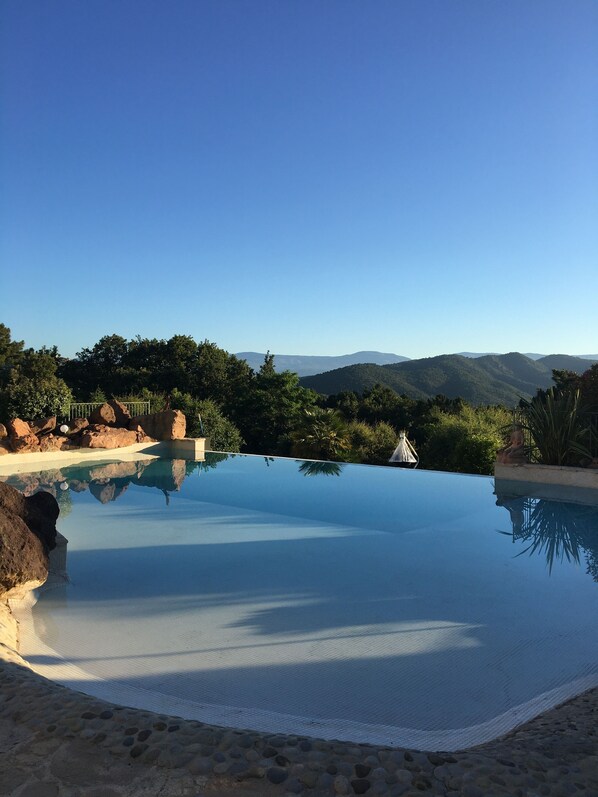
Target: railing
(83,409)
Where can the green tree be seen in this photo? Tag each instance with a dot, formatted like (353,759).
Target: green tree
(270,408)
(29,387)
(464,441)
(321,434)
(372,445)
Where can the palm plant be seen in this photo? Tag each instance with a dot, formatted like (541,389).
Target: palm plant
(322,434)
(556,424)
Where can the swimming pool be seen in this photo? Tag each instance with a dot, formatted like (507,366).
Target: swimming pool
(343,601)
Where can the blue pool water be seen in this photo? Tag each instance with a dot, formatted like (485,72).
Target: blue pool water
(345,601)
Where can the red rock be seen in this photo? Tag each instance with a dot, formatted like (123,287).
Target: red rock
(3,431)
(103,415)
(100,436)
(23,560)
(165,425)
(142,437)
(77,425)
(5,447)
(39,512)
(18,428)
(25,444)
(122,414)
(54,443)
(43,425)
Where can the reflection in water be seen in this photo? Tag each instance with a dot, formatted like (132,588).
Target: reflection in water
(557,529)
(321,468)
(108,481)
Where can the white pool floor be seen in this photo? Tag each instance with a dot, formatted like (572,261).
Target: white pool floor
(438,636)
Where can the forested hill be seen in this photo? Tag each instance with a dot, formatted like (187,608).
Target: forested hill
(491,379)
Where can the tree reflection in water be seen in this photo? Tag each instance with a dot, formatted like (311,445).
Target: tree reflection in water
(558,530)
(321,468)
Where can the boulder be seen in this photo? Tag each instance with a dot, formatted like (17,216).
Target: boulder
(21,437)
(122,414)
(142,437)
(101,436)
(54,443)
(39,512)
(23,559)
(3,431)
(165,425)
(43,426)
(104,415)
(77,425)
(18,428)
(24,444)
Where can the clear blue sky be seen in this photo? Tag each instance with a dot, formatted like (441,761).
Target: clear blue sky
(304,176)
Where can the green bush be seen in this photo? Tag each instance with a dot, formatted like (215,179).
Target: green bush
(37,398)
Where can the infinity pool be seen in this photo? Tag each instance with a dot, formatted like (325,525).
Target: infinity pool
(342,601)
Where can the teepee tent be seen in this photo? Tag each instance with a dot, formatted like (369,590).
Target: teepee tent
(405,455)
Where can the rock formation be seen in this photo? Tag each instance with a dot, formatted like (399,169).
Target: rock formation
(38,511)
(27,533)
(109,426)
(101,436)
(165,425)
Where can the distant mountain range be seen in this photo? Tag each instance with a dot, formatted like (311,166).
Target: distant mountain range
(531,355)
(484,379)
(306,365)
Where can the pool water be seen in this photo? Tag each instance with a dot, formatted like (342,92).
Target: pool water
(343,601)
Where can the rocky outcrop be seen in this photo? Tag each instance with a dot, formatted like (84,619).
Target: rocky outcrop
(121,413)
(109,426)
(112,413)
(43,426)
(39,512)
(165,425)
(76,425)
(23,559)
(21,436)
(27,534)
(101,436)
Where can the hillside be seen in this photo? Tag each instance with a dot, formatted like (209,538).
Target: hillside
(490,379)
(306,365)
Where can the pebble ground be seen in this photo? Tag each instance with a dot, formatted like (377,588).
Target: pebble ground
(55,742)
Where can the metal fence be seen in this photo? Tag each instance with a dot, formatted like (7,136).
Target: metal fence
(84,408)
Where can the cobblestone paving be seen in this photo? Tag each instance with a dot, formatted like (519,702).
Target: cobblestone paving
(55,742)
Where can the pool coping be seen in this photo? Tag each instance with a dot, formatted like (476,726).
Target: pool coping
(183,448)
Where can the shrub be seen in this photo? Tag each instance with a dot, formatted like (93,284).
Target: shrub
(39,398)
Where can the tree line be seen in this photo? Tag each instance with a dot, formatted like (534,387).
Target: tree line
(241,409)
